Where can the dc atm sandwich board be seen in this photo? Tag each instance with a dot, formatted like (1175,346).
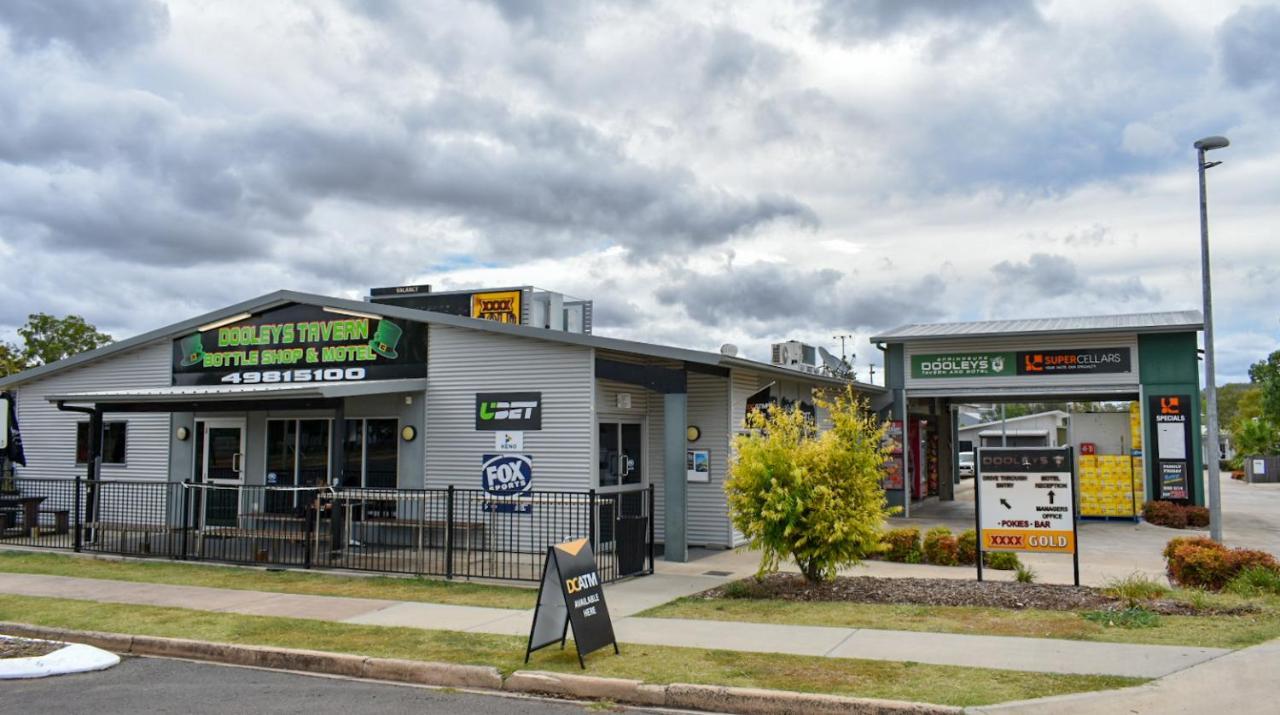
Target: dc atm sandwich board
(1026,501)
(571,594)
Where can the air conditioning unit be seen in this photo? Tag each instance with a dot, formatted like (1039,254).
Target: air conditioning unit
(794,353)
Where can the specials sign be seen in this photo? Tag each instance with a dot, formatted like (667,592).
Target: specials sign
(571,595)
(1172,417)
(516,411)
(1025,500)
(1025,363)
(301,343)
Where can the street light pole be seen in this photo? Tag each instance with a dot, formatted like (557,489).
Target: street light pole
(1210,377)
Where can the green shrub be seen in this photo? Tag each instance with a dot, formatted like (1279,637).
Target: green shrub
(1201,562)
(1134,617)
(1255,581)
(967,547)
(1197,516)
(814,498)
(940,547)
(1135,588)
(1165,513)
(902,545)
(1024,574)
(1001,560)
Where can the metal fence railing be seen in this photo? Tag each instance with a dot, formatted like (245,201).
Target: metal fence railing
(454,533)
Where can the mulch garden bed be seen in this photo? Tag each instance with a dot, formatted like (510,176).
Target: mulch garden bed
(941,592)
(23,648)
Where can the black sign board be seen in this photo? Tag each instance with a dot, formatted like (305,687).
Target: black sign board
(400,290)
(1074,362)
(571,595)
(301,343)
(1171,448)
(508,411)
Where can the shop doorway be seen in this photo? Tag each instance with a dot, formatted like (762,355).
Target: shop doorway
(220,459)
(621,455)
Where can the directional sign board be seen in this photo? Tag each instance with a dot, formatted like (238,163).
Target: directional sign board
(1025,500)
(571,595)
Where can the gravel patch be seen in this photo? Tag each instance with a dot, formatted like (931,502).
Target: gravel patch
(23,648)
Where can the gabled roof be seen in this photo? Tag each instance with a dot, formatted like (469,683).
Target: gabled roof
(1167,322)
(284,297)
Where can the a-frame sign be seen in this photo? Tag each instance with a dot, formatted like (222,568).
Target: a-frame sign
(571,594)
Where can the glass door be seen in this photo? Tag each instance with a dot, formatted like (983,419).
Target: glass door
(621,446)
(221,460)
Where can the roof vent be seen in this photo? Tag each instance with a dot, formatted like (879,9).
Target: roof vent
(729,349)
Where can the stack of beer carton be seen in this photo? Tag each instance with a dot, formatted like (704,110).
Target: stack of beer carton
(1107,485)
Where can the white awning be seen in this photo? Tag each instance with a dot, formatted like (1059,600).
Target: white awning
(233,393)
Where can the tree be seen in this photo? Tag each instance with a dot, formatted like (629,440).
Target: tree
(10,359)
(811,497)
(1266,374)
(49,339)
(1257,437)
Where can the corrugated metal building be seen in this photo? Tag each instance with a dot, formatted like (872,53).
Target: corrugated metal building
(292,388)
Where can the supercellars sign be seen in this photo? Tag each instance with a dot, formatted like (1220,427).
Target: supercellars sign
(1022,363)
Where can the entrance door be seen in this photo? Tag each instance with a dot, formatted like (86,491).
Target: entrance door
(222,462)
(621,447)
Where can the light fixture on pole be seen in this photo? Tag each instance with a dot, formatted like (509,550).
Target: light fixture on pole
(1210,379)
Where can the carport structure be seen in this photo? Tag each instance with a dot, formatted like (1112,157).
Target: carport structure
(1148,357)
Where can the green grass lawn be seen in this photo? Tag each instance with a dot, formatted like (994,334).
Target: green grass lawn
(947,685)
(249,579)
(1204,631)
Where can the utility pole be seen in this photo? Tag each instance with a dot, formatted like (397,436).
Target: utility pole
(872,378)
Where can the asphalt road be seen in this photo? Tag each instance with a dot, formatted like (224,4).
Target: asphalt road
(157,685)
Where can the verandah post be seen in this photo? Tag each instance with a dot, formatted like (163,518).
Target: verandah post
(448,535)
(652,528)
(77,538)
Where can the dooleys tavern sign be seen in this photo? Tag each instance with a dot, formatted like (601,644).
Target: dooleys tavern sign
(301,343)
(1022,363)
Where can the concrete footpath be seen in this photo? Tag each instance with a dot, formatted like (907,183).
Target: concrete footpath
(1005,653)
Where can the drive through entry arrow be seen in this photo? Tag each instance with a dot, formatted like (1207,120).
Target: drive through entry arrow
(1006,503)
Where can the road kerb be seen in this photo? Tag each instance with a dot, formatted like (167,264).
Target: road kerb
(587,687)
(744,701)
(757,701)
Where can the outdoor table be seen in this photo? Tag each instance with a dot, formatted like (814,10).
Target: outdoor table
(30,511)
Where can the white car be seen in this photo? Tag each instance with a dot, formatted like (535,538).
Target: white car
(966,464)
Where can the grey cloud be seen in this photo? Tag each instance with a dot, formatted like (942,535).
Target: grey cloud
(860,20)
(781,299)
(1050,276)
(1249,43)
(166,186)
(94,28)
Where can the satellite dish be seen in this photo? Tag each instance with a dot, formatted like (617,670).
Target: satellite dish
(834,365)
(729,349)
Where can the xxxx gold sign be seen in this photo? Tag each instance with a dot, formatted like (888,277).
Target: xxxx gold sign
(503,306)
(571,595)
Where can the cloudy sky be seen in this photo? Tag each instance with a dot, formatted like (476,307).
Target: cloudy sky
(706,172)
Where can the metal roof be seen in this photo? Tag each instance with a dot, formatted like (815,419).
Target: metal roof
(214,393)
(1166,322)
(282,297)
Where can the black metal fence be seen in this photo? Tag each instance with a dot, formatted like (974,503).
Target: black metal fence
(454,533)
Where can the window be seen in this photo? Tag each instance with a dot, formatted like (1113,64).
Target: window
(113,442)
(373,453)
